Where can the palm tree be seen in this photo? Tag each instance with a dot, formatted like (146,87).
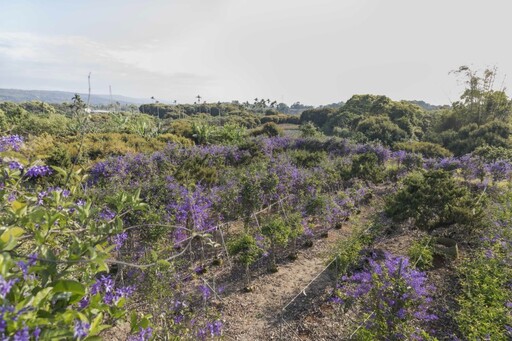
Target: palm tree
(157,108)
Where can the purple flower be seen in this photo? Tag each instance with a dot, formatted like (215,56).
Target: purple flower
(36,333)
(201,333)
(84,303)
(336,300)
(15,165)
(6,286)
(22,335)
(24,267)
(215,328)
(13,142)
(398,291)
(40,197)
(111,295)
(178,319)
(81,329)
(119,240)
(104,283)
(143,335)
(11,197)
(107,214)
(205,291)
(38,171)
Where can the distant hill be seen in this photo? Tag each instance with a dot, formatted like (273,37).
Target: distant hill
(15,95)
(427,106)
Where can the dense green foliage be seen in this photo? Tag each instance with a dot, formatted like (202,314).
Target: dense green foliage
(434,199)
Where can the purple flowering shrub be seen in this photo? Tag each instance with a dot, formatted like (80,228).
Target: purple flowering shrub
(180,298)
(54,247)
(393,297)
(10,142)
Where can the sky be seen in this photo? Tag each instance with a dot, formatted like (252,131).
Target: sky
(312,51)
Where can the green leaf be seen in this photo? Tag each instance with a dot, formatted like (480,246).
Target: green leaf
(60,171)
(13,232)
(96,324)
(40,296)
(93,338)
(17,205)
(66,285)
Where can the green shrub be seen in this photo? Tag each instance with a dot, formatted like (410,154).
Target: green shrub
(427,149)
(49,267)
(421,253)
(246,252)
(483,312)
(434,199)
(270,129)
(366,167)
(278,232)
(381,128)
(303,158)
(492,153)
(59,156)
(308,129)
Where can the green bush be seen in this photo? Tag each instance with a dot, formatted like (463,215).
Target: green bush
(270,129)
(366,167)
(54,256)
(492,153)
(303,158)
(246,252)
(434,199)
(421,253)
(59,156)
(278,232)
(381,128)
(308,129)
(427,149)
(483,312)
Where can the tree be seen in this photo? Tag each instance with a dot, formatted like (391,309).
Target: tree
(480,102)
(380,128)
(317,116)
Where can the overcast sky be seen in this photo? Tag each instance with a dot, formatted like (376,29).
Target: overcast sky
(312,51)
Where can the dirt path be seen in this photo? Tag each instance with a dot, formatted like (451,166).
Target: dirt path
(256,315)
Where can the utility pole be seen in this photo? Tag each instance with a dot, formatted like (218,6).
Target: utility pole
(89,95)
(110,92)
(198,99)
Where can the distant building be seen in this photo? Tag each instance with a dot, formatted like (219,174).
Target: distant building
(96,111)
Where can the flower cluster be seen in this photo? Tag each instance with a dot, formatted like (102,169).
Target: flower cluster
(81,329)
(395,293)
(211,329)
(15,165)
(143,335)
(38,171)
(6,286)
(105,285)
(119,239)
(10,142)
